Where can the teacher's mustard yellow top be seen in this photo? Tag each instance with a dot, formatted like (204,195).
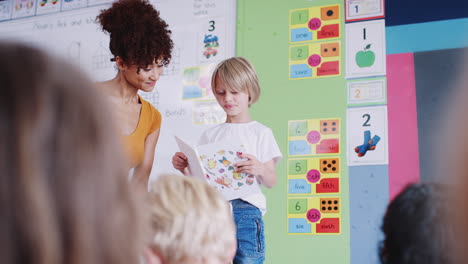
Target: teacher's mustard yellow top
(149,121)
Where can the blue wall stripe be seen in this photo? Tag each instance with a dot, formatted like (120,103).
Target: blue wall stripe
(368,199)
(437,35)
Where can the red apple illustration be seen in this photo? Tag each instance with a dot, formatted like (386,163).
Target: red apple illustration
(365,58)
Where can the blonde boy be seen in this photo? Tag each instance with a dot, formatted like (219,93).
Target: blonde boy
(236,87)
(191,222)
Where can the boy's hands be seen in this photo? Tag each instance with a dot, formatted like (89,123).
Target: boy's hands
(264,172)
(179,161)
(251,166)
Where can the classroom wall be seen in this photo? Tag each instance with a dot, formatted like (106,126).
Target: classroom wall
(424,43)
(423,40)
(182,94)
(263,38)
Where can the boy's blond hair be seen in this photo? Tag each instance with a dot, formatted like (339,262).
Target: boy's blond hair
(191,221)
(239,75)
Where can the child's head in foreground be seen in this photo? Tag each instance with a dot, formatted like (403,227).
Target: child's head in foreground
(191,222)
(239,75)
(415,228)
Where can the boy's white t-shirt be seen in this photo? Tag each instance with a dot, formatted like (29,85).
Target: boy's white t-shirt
(259,142)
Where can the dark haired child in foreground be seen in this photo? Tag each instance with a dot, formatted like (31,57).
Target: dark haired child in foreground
(415,229)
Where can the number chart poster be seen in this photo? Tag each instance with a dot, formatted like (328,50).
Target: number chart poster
(314,23)
(312,176)
(314,137)
(314,60)
(314,215)
(367,135)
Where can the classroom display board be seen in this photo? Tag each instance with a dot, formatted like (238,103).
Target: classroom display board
(203,32)
(330,118)
(308,210)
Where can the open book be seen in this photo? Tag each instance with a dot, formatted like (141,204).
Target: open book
(214,163)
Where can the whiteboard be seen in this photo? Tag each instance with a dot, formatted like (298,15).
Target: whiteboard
(182,94)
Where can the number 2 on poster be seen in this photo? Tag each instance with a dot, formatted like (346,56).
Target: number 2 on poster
(367,118)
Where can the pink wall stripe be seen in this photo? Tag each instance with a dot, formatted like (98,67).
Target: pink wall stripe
(402,122)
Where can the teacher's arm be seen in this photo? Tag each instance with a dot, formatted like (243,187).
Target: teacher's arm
(142,171)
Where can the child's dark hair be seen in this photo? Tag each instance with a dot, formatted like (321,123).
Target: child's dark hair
(415,229)
(138,35)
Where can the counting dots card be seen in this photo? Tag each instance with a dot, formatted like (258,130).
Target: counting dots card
(314,215)
(314,60)
(314,137)
(314,23)
(311,176)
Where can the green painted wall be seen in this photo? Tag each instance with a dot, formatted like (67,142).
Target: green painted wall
(263,38)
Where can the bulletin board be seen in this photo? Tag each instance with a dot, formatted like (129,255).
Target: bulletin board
(203,32)
(297,48)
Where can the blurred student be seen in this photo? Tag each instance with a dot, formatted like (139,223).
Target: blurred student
(191,223)
(64,194)
(415,229)
(453,165)
(141,45)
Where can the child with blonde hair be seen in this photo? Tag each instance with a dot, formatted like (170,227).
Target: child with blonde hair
(235,86)
(191,222)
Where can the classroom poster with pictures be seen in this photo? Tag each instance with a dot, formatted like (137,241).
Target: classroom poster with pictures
(367,135)
(365,49)
(211,40)
(5,9)
(364,9)
(48,6)
(196,82)
(23,8)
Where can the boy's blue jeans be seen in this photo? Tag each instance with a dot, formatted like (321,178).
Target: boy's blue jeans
(250,236)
